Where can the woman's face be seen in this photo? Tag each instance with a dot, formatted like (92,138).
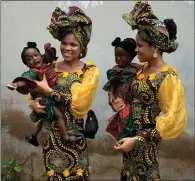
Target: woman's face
(70,47)
(122,58)
(143,49)
(33,58)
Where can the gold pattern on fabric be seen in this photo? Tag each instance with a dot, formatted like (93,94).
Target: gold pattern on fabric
(163,92)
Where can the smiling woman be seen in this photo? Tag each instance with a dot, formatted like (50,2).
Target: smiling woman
(70,47)
(156,89)
(74,92)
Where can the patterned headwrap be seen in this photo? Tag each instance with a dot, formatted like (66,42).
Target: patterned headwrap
(76,22)
(150,27)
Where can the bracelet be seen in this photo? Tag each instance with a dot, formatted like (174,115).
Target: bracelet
(135,140)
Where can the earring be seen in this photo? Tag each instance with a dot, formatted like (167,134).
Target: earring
(80,55)
(155,54)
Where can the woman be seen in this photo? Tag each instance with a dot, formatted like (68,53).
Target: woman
(156,89)
(75,87)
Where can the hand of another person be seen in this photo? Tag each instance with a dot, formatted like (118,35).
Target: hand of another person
(42,86)
(125,144)
(47,45)
(36,106)
(117,104)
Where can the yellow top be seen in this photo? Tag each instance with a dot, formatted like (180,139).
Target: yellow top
(172,103)
(168,89)
(28,97)
(83,93)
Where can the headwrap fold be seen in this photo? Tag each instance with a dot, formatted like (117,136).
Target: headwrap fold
(128,44)
(150,27)
(76,21)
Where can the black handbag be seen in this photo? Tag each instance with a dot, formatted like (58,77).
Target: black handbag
(91,125)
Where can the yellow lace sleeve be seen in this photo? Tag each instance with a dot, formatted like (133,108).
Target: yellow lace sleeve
(28,97)
(172,103)
(83,93)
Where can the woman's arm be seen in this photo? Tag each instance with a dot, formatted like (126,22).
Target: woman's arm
(169,125)
(172,104)
(83,93)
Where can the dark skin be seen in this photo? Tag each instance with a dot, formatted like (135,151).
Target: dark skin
(145,54)
(154,65)
(70,50)
(122,59)
(34,60)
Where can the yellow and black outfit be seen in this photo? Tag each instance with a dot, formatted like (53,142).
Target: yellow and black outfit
(158,105)
(74,93)
(162,92)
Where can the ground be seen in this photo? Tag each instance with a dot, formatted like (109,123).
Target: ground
(176,156)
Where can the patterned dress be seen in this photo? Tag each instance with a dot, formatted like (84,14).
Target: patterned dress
(74,94)
(151,95)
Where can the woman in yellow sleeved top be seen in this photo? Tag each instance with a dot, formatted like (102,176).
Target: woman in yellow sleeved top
(156,89)
(74,92)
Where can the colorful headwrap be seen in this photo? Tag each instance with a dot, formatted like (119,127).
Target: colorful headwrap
(75,21)
(150,27)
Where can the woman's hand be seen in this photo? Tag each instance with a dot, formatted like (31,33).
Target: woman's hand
(37,107)
(43,87)
(125,144)
(117,104)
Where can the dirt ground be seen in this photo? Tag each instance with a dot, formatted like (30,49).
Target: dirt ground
(176,156)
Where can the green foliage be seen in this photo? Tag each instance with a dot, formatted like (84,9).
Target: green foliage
(11,170)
